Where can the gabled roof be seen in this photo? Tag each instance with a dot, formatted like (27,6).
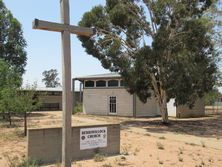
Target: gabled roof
(99,76)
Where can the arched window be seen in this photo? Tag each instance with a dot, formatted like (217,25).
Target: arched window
(89,84)
(113,83)
(100,83)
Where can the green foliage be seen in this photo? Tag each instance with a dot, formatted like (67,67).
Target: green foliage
(78,108)
(26,99)
(211,97)
(99,157)
(13,98)
(12,41)
(163,46)
(29,163)
(10,80)
(51,78)
(14,161)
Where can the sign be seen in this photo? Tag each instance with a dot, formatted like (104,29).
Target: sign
(93,138)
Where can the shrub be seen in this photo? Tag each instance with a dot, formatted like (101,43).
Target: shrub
(99,158)
(162,137)
(29,163)
(180,159)
(78,108)
(160,146)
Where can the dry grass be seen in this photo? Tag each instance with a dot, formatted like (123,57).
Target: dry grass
(99,157)
(160,146)
(186,142)
(12,135)
(162,138)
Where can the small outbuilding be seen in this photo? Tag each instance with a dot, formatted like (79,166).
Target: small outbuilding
(51,98)
(184,111)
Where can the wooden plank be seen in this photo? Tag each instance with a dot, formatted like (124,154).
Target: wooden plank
(57,27)
(66,85)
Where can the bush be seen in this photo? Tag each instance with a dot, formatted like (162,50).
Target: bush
(29,163)
(78,108)
(99,158)
(160,146)
(14,161)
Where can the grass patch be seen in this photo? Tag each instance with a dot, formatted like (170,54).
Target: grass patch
(180,159)
(181,150)
(107,165)
(162,138)
(136,151)
(191,144)
(78,108)
(123,158)
(160,146)
(16,162)
(58,164)
(203,144)
(29,163)
(160,162)
(147,134)
(14,135)
(125,150)
(210,160)
(99,158)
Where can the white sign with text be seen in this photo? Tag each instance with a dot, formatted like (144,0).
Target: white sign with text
(93,138)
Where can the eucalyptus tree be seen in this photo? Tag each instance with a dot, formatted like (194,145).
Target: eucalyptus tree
(160,48)
(51,78)
(12,42)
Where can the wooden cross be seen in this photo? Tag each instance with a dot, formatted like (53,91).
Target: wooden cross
(66,29)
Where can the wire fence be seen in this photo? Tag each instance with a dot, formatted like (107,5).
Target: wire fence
(214,109)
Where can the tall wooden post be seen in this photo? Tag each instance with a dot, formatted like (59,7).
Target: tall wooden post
(66,30)
(66,80)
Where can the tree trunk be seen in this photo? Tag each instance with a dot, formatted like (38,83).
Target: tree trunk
(25,123)
(161,98)
(3,115)
(164,112)
(162,101)
(10,118)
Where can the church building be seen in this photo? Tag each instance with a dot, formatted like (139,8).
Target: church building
(105,94)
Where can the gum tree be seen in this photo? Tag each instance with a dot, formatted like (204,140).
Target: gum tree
(12,42)
(160,48)
(51,78)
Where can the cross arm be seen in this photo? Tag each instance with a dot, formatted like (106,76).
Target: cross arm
(57,27)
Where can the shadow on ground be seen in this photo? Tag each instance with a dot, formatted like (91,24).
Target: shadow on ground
(205,127)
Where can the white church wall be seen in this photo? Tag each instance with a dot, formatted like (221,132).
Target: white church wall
(96,101)
(171,108)
(150,108)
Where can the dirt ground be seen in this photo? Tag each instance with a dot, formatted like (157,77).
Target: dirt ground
(145,142)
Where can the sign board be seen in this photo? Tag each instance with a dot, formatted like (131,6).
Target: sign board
(93,138)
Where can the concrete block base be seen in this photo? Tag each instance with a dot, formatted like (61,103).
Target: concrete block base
(45,144)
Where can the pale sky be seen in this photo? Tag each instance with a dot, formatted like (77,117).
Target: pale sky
(44,48)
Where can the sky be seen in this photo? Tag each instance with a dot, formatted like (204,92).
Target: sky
(44,47)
